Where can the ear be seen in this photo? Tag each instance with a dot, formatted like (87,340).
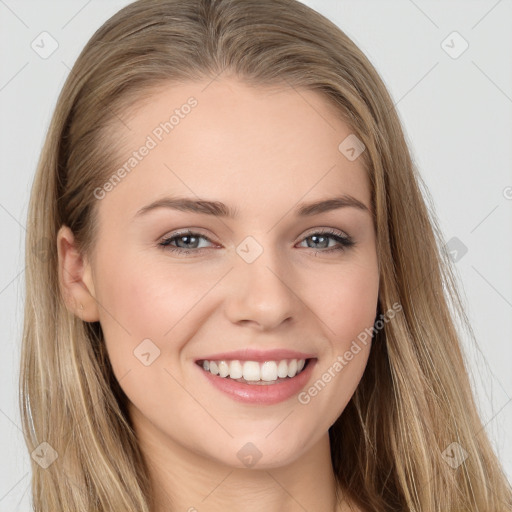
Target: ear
(75,278)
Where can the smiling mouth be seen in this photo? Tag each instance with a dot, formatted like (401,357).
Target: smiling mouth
(254,372)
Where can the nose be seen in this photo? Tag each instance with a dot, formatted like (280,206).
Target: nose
(262,293)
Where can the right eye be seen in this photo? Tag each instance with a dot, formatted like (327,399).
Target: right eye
(188,237)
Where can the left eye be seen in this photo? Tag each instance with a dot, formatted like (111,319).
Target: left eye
(190,241)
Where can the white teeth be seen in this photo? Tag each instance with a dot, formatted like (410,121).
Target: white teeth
(282,369)
(253,371)
(269,371)
(223,368)
(235,370)
(292,368)
(214,368)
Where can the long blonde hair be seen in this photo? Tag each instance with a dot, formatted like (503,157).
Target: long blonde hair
(414,399)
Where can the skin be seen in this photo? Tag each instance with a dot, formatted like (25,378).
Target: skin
(263,151)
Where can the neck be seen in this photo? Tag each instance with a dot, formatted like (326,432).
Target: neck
(184,480)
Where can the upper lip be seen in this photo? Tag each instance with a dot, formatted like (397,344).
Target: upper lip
(257,355)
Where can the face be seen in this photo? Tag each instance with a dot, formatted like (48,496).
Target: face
(273,282)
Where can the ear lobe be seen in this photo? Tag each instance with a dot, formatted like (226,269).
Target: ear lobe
(75,278)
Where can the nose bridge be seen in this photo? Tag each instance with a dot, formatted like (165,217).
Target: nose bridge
(261,290)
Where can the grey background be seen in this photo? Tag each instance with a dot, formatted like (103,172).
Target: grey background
(457,114)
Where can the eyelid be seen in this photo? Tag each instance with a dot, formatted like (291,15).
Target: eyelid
(326,230)
(186,231)
(344,240)
(198,231)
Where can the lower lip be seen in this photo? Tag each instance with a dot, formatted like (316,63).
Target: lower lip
(261,394)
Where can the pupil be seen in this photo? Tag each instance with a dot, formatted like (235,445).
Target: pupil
(316,238)
(186,237)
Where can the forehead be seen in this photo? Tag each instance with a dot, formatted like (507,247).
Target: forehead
(238,143)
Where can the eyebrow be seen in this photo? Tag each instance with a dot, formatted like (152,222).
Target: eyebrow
(219,209)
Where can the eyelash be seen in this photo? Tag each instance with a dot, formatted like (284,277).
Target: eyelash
(344,242)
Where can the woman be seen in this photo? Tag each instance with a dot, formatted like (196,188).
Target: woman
(243,304)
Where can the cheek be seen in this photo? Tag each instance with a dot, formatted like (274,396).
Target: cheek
(148,301)
(145,298)
(349,302)
(349,312)
(135,304)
